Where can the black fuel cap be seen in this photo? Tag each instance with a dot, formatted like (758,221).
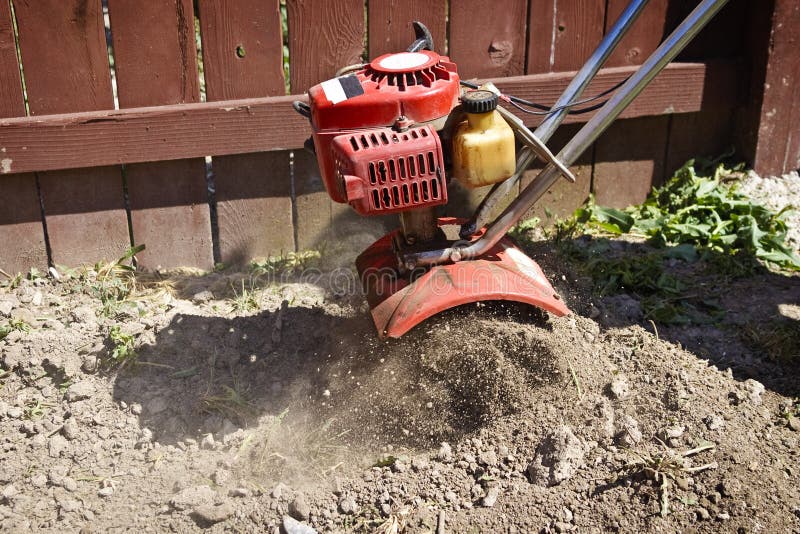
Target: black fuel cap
(479,101)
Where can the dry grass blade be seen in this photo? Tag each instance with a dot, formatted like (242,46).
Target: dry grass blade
(665,467)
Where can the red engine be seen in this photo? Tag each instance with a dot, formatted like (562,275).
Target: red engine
(375,132)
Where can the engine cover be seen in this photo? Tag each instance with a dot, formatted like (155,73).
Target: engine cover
(384,171)
(417,87)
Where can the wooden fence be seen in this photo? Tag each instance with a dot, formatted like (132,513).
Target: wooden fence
(137,129)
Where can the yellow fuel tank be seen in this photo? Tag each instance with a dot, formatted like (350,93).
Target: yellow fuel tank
(483,145)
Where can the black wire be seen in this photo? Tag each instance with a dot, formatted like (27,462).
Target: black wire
(516,101)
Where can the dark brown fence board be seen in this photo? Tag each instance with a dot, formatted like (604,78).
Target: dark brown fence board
(562,35)
(703,134)
(495,46)
(67,72)
(323,37)
(771,135)
(312,203)
(11,99)
(156,63)
(629,160)
(253,25)
(21,235)
(626,165)
(568,44)
(390,27)
(243,42)
(252,125)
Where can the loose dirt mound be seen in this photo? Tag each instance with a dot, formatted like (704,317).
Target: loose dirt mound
(490,418)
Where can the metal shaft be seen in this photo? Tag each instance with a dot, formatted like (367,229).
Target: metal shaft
(551,123)
(659,59)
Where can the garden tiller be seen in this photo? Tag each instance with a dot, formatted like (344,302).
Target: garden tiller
(390,134)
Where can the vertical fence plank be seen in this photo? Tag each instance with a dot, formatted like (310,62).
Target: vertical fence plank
(390,21)
(242,58)
(21,235)
(629,156)
(66,66)
(487,40)
(323,37)
(770,136)
(562,36)
(156,64)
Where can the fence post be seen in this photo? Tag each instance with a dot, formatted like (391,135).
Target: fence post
(770,127)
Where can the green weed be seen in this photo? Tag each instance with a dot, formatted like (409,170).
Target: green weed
(12,325)
(694,216)
(665,468)
(245,300)
(231,403)
(122,352)
(113,283)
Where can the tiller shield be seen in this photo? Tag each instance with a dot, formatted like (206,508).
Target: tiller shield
(398,302)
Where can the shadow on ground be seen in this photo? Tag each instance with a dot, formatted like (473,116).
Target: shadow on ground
(732,312)
(331,379)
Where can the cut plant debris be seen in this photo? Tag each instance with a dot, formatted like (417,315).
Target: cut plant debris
(697,215)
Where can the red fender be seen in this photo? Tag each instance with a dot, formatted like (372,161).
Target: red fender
(398,303)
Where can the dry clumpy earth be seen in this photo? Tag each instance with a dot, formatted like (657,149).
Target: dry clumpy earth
(252,405)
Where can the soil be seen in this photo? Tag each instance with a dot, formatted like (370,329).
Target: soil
(294,416)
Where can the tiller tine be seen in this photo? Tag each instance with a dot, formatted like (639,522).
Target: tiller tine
(399,302)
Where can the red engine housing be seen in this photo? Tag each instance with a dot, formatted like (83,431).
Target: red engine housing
(419,87)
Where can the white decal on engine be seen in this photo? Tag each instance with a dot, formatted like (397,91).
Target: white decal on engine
(334,91)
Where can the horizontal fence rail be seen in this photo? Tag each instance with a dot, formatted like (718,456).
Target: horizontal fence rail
(260,124)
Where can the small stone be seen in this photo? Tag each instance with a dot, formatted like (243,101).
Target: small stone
(723,516)
(558,457)
(277,491)
(136,408)
(5,308)
(619,389)
(673,432)
(202,296)
(57,445)
(754,390)
(79,391)
(450,496)
(15,412)
(445,453)
(491,497)
(714,422)
(69,484)
(568,515)
(561,527)
(9,492)
(221,477)
(239,492)
(348,505)
(292,526)
(793,423)
(627,433)
(37,298)
(192,497)
(703,514)
(207,442)
(488,458)
(39,480)
(89,363)
(211,513)
(298,508)
(106,492)
(70,429)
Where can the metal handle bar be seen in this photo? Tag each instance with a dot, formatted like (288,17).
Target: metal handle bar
(659,59)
